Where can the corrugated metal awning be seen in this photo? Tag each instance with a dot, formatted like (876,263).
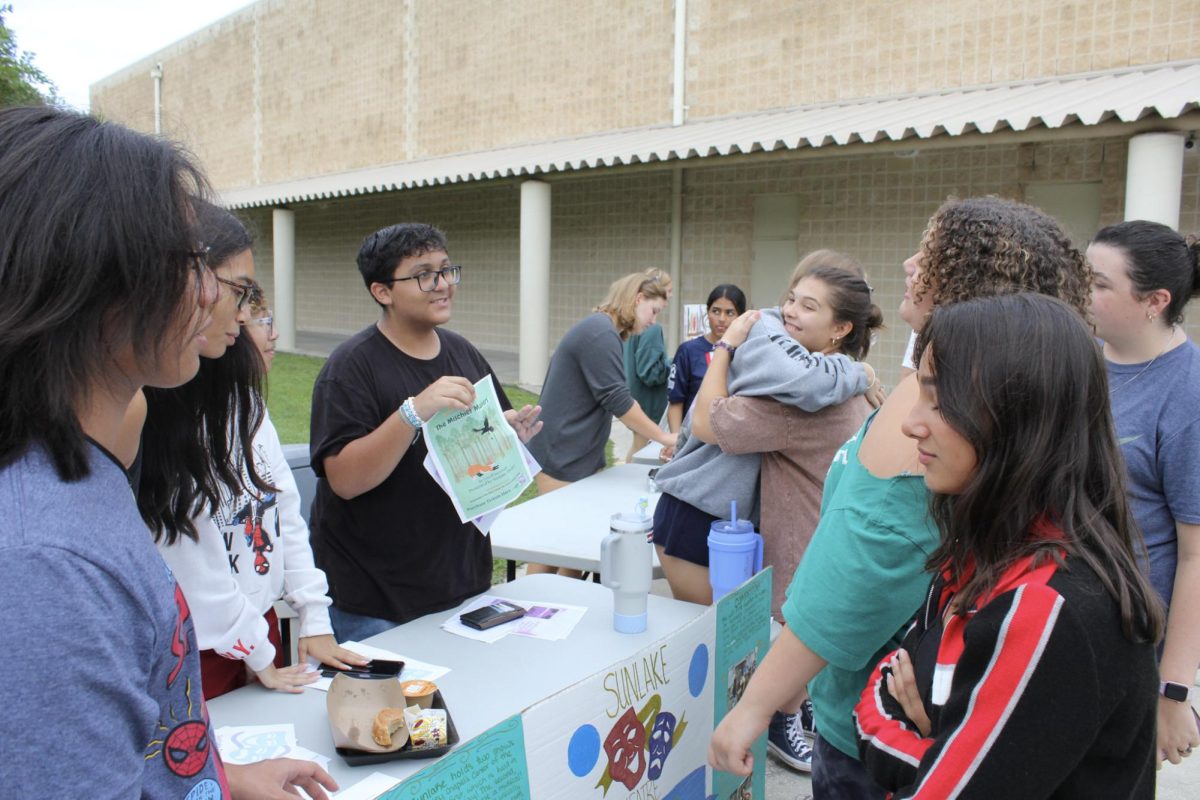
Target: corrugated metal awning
(1165,92)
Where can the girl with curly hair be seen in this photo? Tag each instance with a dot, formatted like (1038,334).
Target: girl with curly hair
(863,574)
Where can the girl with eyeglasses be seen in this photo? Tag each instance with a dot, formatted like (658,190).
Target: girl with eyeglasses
(261,326)
(99,295)
(220,498)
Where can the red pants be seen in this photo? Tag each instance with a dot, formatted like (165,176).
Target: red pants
(221,675)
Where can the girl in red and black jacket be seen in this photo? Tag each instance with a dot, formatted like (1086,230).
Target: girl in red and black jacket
(1030,671)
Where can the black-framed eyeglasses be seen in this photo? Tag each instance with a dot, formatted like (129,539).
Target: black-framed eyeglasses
(198,264)
(428,281)
(242,291)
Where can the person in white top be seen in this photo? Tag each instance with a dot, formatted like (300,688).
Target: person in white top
(233,535)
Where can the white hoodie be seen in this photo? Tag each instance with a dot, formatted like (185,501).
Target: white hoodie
(253,551)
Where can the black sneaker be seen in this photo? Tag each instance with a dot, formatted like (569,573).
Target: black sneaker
(807,723)
(786,739)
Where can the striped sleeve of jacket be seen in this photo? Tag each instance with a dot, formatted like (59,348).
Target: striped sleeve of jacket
(1018,713)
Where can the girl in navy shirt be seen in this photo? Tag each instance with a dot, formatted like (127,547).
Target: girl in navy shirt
(725,304)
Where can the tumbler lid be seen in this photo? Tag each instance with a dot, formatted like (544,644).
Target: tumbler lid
(630,523)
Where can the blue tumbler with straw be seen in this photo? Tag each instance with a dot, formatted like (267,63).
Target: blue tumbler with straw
(735,553)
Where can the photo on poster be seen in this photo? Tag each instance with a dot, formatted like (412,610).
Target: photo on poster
(745,791)
(739,677)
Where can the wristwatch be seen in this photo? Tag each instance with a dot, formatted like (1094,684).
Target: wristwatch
(724,345)
(1175,691)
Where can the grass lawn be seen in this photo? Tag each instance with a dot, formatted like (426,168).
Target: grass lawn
(289,398)
(289,394)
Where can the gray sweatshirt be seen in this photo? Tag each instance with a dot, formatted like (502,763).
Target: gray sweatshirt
(770,363)
(585,388)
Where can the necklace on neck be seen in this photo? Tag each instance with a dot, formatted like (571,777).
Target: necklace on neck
(1149,364)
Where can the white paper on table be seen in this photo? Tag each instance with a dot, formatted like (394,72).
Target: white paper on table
(246,744)
(455,626)
(413,669)
(304,754)
(552,621)
(484,522)
(368,788)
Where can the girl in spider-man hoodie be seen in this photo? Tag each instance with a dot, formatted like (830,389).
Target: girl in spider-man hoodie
(1030,670)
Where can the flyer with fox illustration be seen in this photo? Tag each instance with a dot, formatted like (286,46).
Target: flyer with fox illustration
(478,454)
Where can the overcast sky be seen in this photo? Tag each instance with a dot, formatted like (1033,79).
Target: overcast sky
(78,42)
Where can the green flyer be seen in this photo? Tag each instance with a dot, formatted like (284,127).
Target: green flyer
(481,460)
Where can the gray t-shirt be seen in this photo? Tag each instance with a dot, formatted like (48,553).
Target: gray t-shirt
(1158,425)
(103,667)
(584,389)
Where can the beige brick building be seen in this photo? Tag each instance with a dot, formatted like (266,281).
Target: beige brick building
(719,139)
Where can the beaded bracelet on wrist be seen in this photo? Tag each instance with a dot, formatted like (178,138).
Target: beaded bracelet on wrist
(408,410)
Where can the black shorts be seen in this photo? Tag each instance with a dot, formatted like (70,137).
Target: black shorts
(681,529)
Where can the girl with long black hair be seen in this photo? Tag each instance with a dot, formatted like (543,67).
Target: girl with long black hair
(218,494)
(1029,672)
(103,289)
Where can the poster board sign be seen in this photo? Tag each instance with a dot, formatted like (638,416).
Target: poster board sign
(638,730)
(743,636)
(492,766)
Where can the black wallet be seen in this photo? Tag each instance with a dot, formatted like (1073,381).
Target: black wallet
(490,616)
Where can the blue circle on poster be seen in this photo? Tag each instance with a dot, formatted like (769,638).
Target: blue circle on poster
(583,750)
(206,789)
(698,670)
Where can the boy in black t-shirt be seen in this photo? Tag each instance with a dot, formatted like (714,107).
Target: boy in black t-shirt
(386,535)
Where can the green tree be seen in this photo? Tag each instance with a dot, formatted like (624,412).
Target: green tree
(21,83)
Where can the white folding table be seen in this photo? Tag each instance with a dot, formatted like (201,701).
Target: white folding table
(487,683)
(565,527)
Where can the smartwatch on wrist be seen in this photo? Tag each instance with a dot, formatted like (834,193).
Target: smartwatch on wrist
(1175,691)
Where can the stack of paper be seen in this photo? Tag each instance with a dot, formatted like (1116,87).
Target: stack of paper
(550,621)
(248,744)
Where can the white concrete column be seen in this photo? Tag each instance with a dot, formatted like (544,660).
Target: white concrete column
(674,323)
(283,226)
(1154,178)
(534,354)
(679,64)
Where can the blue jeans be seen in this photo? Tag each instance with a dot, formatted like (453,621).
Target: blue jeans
(837,776)
(349,627)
